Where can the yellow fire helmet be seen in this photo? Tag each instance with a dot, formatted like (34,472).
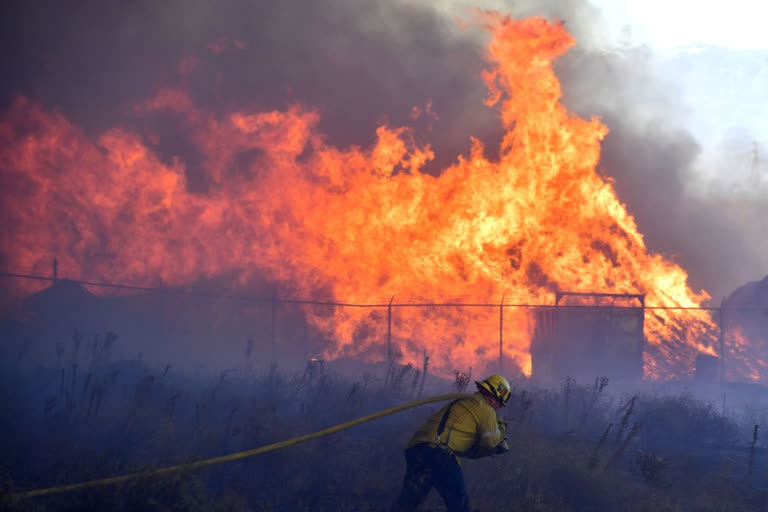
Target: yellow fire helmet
(497,386)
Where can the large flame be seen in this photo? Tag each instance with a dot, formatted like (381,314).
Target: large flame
(741,358)
(357,224)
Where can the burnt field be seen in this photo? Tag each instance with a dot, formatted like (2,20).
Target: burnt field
(579,446)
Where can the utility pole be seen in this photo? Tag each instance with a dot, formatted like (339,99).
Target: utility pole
(389,331)
(755,169)
(501,335)
(721,314)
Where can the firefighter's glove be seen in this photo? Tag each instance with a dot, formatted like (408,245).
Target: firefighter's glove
(502,424)
(502,447)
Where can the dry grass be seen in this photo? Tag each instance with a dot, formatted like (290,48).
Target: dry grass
(572,449)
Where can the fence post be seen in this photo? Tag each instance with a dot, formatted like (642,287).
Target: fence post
(273,326)
(501,335)
(389,332)
(55,270)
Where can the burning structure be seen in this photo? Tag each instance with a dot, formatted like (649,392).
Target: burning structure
(586,335)
(744,317)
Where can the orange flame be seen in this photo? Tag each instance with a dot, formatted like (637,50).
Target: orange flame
(359,224)
(741,360)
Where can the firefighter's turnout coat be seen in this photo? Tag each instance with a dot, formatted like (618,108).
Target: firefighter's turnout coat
(471,429)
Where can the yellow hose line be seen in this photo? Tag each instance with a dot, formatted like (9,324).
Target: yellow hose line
(233,456)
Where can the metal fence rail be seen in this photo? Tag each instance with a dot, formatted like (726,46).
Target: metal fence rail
(274,301)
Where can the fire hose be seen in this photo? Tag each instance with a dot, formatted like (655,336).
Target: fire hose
(188,466)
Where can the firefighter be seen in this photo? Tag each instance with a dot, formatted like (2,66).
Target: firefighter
(468,427)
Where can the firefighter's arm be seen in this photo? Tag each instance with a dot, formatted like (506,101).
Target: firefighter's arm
(490,435)
(502,447)
(491,432)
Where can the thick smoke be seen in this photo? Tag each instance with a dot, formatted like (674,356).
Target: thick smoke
(363,63)
(360,64)
(656,167)
(718,233)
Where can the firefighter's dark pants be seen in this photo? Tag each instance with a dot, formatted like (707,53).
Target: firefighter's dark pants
(426,467)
